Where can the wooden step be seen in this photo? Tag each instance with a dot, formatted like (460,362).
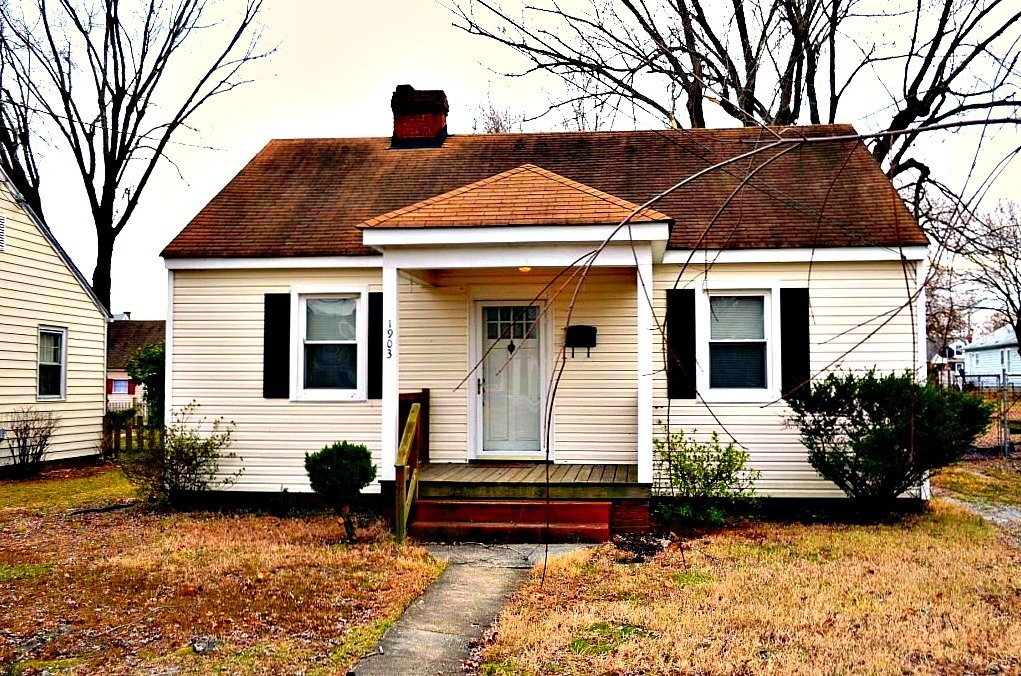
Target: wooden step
(500,531)
(513,511)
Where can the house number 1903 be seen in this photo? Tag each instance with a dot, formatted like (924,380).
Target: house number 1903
(389,339)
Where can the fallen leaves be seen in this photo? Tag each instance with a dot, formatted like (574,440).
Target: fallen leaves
(271,593)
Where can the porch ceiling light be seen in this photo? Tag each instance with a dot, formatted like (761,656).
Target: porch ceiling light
(525,268)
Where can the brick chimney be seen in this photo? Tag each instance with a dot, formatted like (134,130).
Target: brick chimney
(420,117)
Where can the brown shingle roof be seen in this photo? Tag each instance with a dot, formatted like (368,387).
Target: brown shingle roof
(304,197)
(124,337)
(526,195)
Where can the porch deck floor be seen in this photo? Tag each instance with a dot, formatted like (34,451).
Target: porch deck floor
(529,480)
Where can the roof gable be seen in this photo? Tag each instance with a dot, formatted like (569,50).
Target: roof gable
(48,235)
(525,195)
(823,194)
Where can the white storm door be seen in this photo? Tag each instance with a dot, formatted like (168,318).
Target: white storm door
(511,380)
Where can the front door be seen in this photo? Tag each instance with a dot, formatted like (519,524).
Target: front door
(510,382)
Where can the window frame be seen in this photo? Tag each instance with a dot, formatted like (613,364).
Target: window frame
(299,297)
(127,386)
(62,332)
(770,294)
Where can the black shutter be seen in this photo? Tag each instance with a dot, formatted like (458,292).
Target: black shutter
(680,340)
(276,346)
(795,347)
(375,351)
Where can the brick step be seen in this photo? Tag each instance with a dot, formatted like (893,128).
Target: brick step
(501,531)
(513,511)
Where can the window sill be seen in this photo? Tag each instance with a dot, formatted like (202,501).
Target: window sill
(330,396)
(39,397)
(739,396)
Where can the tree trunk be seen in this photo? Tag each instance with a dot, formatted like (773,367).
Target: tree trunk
(104,260)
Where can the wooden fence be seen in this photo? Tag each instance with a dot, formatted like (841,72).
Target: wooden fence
(129,435)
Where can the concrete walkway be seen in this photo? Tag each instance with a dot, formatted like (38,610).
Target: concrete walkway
(433,635)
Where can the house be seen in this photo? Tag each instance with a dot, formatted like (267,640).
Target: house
(332,277)
(988,357)
(52,333)
(124,338)
(945,361)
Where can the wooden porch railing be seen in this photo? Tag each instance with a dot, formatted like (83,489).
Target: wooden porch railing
(412,451)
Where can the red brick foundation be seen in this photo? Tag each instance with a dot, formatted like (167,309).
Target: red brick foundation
(630,516)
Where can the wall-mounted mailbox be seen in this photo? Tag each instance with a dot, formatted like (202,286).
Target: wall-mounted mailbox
(581,336)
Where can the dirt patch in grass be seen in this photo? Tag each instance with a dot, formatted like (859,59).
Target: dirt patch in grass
(995,480)
(128,591)
(938,592)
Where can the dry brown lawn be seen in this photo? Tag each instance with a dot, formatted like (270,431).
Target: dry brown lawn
(995,480)
(128,591)
(934,593)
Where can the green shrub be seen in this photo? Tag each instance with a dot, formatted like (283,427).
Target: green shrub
(338,473)
(148,367)
(122,415)
(707,480)
(186,460)
(28,433)
(877,437)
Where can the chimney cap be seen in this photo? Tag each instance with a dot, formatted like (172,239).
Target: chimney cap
(407,100)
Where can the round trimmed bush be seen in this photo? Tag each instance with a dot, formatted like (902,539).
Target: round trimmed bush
(338,473)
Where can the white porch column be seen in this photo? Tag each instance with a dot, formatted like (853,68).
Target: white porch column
(646,329)
(391,372)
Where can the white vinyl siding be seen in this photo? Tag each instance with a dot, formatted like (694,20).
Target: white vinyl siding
(858,320)
(37,289)
(217,319)
(595,416)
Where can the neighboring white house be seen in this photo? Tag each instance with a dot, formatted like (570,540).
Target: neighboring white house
(993,354)
(331,275)
(52,333)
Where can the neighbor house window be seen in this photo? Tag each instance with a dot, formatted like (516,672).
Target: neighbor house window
(332,347)
(119,387)
(738,344)
(52,363)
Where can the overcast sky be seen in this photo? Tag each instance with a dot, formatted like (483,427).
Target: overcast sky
(332,74)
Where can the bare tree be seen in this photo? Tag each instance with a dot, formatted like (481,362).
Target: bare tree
(104,81)
(992,246)
(781,62)
(493,120)
(948,305)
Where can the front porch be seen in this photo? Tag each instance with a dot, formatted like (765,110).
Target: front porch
(531,480)
(528,502)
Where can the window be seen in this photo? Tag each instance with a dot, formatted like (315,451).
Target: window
(119,387)
(52,363)
(737,342)
(331,342)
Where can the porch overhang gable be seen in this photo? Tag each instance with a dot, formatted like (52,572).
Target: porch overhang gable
(520,239)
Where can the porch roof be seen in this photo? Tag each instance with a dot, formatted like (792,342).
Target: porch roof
(526,195)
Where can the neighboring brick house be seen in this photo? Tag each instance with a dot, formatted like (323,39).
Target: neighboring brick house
(331,276)
(125,337)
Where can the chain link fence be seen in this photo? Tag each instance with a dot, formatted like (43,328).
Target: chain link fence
(1004,390)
